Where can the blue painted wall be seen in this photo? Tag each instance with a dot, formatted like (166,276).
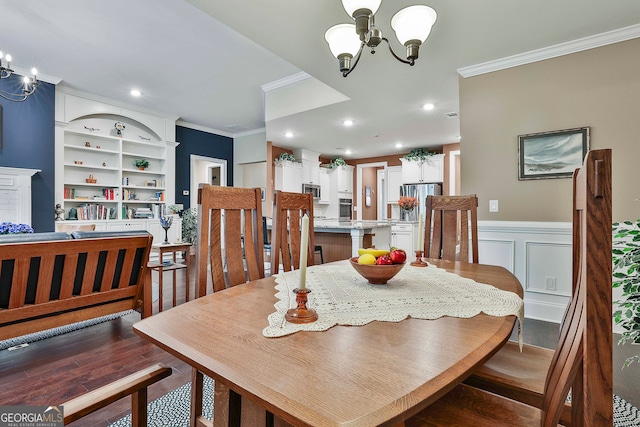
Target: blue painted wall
(28,141)
(202,144)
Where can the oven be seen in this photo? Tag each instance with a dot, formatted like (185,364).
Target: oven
(344,209)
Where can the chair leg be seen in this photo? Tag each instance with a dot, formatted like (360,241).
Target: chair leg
(318,249)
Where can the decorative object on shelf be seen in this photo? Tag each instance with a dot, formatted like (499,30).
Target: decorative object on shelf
(418,155)
(553,154)
(90,129)
(626,275)
(59,212)
(104,164)
(190,225)
(338,161)
(412,26)
(407,203)
(87,144)
(12,228)
(119,126)
(78,162)
(97,147)
(73,214)
(91,180)
(165,222)
(141,164)
(284,157)
(174,209)
(28,88)
(143,138)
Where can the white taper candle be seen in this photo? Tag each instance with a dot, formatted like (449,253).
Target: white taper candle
(304,243)
(420,234)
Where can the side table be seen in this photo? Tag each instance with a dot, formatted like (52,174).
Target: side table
(161,267)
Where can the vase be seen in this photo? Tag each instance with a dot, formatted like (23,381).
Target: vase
(408,215)
(166,236)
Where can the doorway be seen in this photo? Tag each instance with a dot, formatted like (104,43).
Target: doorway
(206,169)
(359,190)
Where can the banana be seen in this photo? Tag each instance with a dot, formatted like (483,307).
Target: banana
(375,252)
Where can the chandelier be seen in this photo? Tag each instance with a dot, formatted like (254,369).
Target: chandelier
(412,26)
(30,84)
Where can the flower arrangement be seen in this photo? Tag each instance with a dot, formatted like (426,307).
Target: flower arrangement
(407,203)
(418,155)
(11,228)
(166,221)
(284,157)
(338,161)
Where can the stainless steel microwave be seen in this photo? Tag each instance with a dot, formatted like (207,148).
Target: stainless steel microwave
(313,189)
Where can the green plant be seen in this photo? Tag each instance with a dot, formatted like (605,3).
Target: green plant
(338,161)
(190,225)
(284,157)
(418,154)
(141,163)
(174,209)
(626,275)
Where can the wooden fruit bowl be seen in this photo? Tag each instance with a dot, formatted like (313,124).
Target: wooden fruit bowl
(376,274)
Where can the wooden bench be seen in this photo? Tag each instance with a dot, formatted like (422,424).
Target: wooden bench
(49,280)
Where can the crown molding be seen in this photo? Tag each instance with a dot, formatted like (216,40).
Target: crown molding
(219,132)
(579,45)
(285,81)
(41,77)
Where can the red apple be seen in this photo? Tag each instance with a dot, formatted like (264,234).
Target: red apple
(384,260)
(398,256)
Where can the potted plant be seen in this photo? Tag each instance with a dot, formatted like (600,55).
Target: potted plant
(626,276)
(142,164)
(284,157)
(190,226)
(338,161)
(418,155)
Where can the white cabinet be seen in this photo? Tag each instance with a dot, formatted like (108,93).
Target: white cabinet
(325,186)
(402,237)
(310,172)
(394,182)
(288,177)
(342,179)
(429,170)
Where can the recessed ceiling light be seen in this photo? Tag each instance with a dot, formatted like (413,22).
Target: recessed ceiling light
(135,92)
(347,151)
(428,107)
(398,144)
(289,134)
(348,122)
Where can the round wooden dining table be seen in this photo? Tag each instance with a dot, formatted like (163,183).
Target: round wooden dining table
(377,374)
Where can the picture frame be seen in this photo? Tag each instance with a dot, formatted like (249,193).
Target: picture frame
(554,154)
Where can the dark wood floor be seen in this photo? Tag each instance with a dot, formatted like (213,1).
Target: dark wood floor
(56,369)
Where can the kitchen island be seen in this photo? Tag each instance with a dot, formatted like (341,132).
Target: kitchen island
(341,239)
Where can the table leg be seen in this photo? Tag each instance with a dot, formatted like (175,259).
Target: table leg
(187,258)
(160,285)
(174,280)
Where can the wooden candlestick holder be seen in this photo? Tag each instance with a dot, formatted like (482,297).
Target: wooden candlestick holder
(301,314)
(419,262)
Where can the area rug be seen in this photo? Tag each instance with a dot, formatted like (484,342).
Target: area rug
(172,409)
(48,333)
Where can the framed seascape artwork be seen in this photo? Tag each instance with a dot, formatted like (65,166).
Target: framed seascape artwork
(553,154)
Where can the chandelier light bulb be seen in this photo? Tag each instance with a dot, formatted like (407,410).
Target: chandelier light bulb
(8,58)
(350,6)
(413,23)
(34,71)
(26,80)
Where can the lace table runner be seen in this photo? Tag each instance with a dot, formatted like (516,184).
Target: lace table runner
(341,296)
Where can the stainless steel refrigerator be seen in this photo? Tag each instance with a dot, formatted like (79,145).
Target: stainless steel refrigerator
(420,192)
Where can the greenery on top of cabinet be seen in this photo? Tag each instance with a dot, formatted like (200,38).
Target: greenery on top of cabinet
(418,154)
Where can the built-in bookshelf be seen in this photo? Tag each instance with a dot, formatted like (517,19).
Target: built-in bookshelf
(101,181)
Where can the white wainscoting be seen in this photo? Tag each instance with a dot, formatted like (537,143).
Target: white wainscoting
(535,252)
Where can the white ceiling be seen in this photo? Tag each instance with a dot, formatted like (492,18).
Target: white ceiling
(206,61)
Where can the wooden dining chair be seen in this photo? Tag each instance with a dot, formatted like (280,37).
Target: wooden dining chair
(446,228)
(230,238)
(582,361)
(521,376)
(230,244)
(288,209)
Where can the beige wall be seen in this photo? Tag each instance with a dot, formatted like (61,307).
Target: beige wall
(599,88)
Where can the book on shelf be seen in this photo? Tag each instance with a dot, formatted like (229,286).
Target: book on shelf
(93,211)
